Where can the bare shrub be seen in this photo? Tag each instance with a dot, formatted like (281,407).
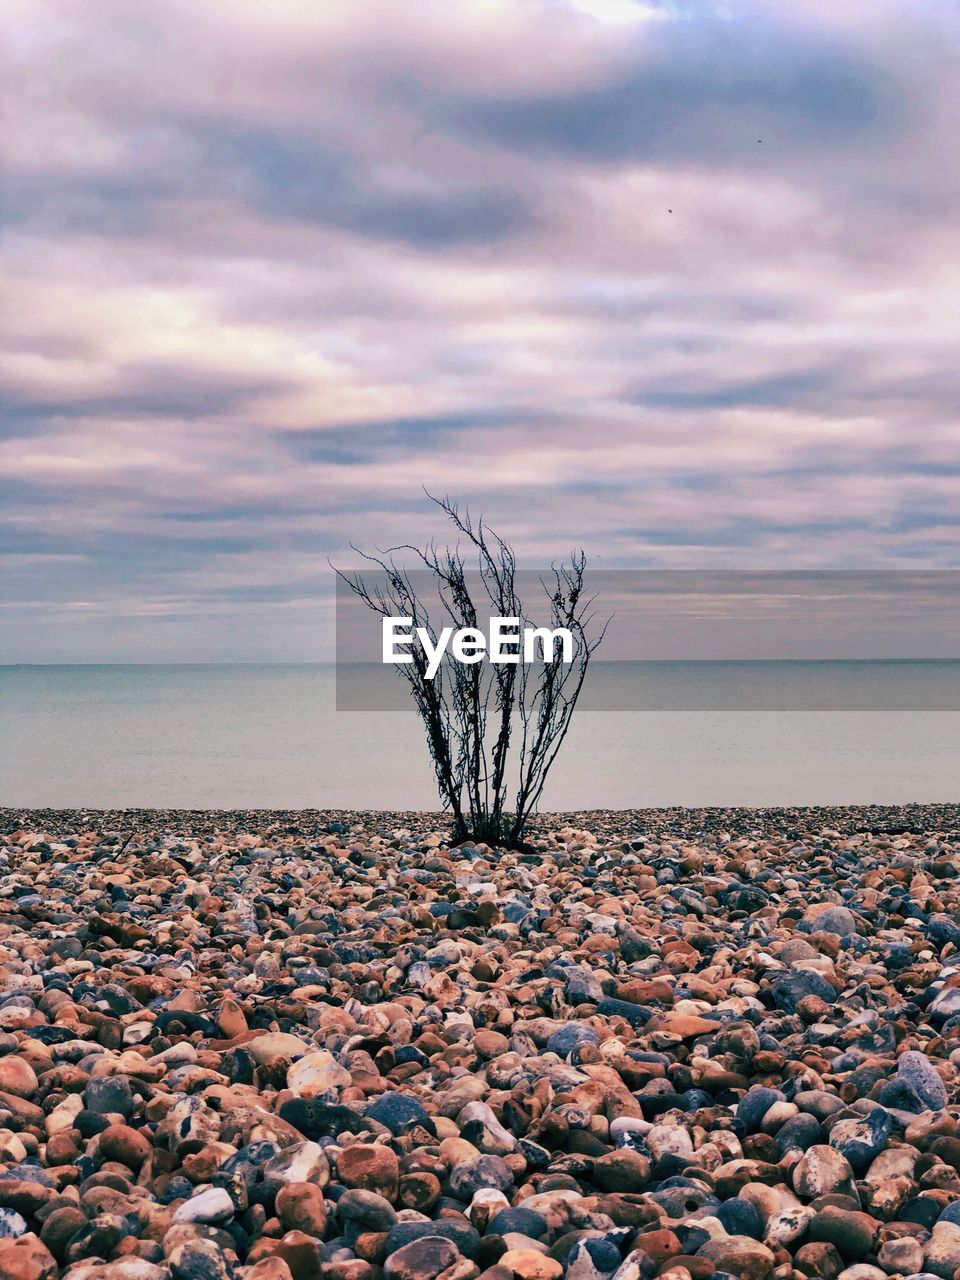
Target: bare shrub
(493,730)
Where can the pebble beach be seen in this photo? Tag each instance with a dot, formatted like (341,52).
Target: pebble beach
(687,1044)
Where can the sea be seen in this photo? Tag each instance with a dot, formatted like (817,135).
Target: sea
(270,736)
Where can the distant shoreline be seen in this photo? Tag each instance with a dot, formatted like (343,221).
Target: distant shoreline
(692,822)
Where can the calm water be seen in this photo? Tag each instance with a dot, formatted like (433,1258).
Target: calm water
(269,736)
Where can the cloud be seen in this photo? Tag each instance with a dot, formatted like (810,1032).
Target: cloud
(706,92)
(277,268)
(292,177)
(142,390)
(275,175)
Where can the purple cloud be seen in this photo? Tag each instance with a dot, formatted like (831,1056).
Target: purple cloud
(668,280)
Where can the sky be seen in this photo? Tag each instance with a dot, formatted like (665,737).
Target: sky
(673,281)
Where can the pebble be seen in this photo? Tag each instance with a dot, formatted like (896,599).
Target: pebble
(917,1071)
(421,1260)
(656,1045)
(212,1205)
